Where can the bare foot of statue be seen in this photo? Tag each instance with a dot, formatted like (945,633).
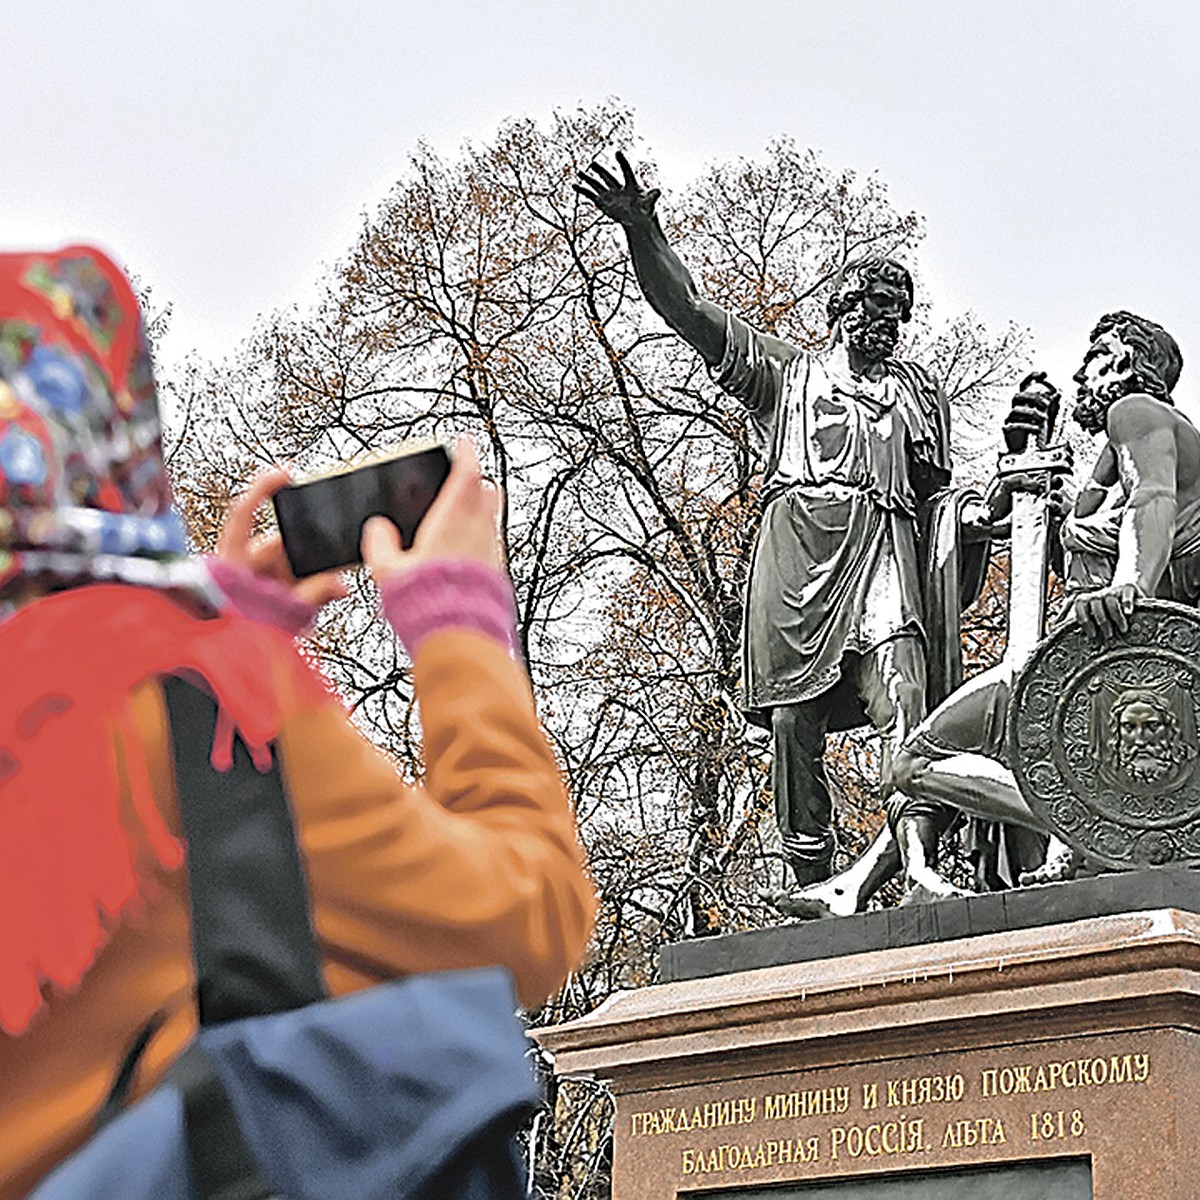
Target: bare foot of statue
(829,898)
(846,892)
(928,886)
(1062,863)
(833,898)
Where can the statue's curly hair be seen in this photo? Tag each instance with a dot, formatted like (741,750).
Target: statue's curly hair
(1157,360)
(857,276)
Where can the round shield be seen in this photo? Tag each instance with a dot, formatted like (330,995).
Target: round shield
(1102,738)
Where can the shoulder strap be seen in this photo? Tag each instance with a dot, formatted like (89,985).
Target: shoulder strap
(222,1166)
(252,936)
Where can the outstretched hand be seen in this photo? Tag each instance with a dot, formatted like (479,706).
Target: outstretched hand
(624,201)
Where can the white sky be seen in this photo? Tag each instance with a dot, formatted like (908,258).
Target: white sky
(226,149)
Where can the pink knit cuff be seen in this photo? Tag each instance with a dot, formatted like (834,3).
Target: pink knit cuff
(260,599)
(451,593)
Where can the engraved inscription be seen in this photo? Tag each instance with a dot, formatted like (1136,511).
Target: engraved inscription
(974,1131)
(845,1125)
(716,1114)
(1068,1073)
(769,1152)
(814,1102)
(880,1138)
(1056,1126)
(925,1089)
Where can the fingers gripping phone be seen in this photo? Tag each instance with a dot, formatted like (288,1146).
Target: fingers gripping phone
(321,520)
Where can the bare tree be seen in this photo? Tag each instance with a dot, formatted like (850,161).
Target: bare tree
(485,297)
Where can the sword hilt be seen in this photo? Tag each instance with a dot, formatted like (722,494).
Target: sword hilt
(1049,460)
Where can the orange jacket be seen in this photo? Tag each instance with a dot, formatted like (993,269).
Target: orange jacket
(480,865)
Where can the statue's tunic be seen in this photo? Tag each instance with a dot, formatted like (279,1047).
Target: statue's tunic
(835,564)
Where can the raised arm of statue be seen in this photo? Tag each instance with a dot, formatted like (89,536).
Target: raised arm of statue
(664,279)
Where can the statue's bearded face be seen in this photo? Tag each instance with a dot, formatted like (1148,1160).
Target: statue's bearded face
(873,326)
(1107,374)
(1147,741)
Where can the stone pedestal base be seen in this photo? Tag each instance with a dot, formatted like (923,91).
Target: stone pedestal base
(1057,1062)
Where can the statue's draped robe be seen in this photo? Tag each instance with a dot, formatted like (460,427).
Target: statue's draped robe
(835,567)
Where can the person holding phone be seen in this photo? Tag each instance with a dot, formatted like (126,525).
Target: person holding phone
(99,601)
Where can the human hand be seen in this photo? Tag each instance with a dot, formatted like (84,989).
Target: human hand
(1060,498)
(625,202)
(462,523)
(1054,487)
(1033,412)
(264,556)
(1108,610)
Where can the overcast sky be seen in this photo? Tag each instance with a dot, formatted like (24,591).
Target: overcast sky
(225,150)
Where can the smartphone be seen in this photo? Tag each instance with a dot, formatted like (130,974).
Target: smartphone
(321,520)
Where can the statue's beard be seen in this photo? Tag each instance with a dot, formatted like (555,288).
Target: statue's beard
(1147,765)
(1091,407)
(1091,411)
(875,338)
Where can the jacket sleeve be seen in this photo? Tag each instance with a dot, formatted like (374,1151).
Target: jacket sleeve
(480,865)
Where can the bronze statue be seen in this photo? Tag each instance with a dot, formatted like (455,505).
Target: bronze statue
(1134,533)
(854,442)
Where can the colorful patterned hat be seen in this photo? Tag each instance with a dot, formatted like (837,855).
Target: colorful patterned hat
(84,495)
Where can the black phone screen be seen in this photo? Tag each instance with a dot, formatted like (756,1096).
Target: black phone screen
(321,521)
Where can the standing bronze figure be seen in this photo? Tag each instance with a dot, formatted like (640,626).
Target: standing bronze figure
(853,442)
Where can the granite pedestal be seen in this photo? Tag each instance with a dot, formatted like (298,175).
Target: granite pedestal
(1021,1061)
